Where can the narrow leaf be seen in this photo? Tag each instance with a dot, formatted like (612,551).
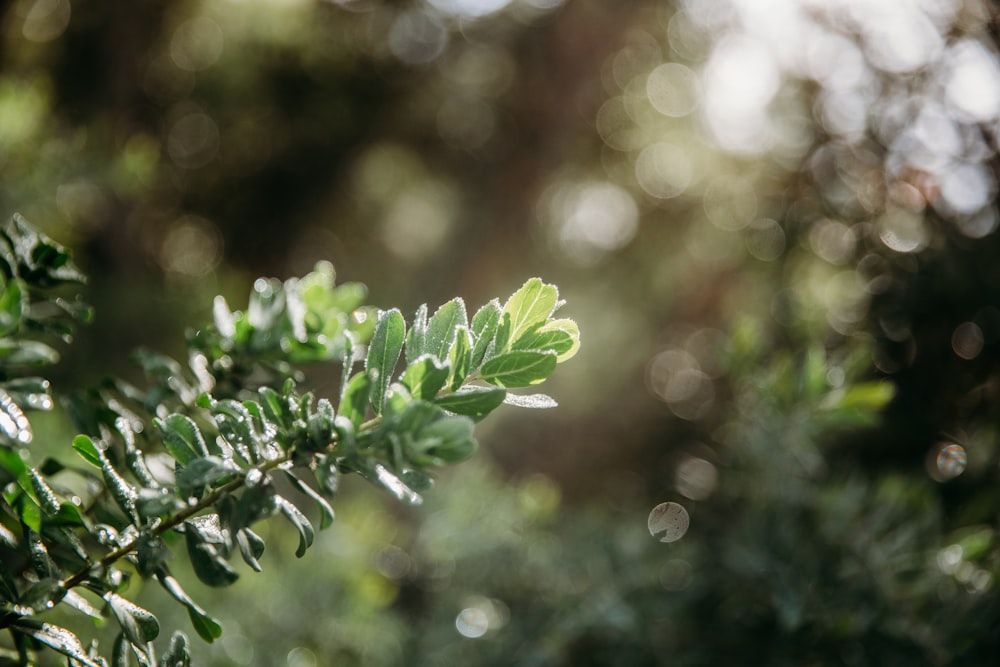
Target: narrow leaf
(383,353)
(484,330)
(536,401)
(251,547)
(460,358)
(56,638)
(301,523)
(415,340)
(206,626)
(326,512)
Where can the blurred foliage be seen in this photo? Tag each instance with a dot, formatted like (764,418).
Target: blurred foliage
(776,222)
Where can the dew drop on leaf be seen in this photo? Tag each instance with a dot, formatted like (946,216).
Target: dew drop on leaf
(669,521)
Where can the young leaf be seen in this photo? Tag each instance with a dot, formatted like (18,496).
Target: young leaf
(475,402)
(301,523)
(415,343)
(182,438)
(138,624)
(425,377)
(460,358)
(520,368)
(484,330)
(354,402)
(529,306)
(86,448)
(442,326)
(383,353)
(559,336)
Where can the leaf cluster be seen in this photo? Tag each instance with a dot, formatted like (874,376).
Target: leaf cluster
(182,468)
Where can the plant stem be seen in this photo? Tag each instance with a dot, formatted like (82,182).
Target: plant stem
(169,523)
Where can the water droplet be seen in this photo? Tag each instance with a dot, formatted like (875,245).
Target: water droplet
(951,460)
(536,401)
(670,519)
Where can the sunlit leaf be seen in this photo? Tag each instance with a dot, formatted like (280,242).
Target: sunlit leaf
(529,306)
(383,353)
(475,402)
(138,624)
(520,368)
(301,523)
(442,326)
(425,377)
(56,638)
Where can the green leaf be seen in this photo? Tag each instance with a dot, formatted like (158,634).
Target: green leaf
(251,547)
(138,624)
(43,492)
(179,651)
(182,438)
(354,402)
(301,523)
(559,336)
(209,565)
(124,493)
(383,353)
(204,471)
(484,330)
(425,377)
(520,368)
(85,447)
(275,409)
(460,358)
(326,512)
(206,626)
(56,638)
(442,326)
(475,402)
(13,301)
(415,344)
(236,426)
(447,439)
(529,306)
